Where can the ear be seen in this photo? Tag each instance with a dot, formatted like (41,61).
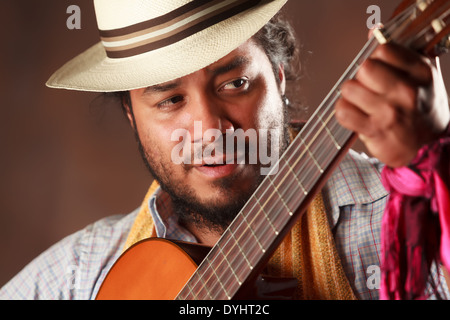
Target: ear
(128,111)
(281,79)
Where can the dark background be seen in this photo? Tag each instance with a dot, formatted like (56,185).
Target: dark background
(66,159)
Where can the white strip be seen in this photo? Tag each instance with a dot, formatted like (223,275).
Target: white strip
(169,28)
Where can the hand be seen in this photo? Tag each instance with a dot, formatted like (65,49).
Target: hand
(396,104)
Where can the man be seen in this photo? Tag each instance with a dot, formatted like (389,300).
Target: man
(223,66)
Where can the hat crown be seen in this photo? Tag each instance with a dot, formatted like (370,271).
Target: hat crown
(116,14)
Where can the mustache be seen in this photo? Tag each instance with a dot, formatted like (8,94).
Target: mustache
(249,147)
(219,151)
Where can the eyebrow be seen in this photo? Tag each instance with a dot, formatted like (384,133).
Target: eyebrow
(163,87)
(237,62)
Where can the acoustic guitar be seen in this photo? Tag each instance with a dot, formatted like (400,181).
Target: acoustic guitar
(161,269)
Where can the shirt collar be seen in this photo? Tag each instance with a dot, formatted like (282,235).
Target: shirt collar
(166,222)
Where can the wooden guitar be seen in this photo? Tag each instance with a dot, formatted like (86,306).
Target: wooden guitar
(162,269)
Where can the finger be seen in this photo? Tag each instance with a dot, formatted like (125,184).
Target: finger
(368,102)
(389,82)
(352,118)
(415,66)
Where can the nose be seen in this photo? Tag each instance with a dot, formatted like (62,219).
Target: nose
(208,113)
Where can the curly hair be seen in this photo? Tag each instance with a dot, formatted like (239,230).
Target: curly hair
(278,40)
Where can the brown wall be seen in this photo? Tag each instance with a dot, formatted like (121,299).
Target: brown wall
(65,161)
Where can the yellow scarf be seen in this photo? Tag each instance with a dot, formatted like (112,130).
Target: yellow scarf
(307,253)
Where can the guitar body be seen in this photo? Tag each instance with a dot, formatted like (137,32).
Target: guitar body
(152,269)
(158,269)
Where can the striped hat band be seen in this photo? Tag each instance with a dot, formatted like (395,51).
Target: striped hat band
(171,27)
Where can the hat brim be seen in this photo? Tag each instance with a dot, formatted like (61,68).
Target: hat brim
(93,71)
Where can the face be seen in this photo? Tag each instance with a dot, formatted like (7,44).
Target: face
(240,92)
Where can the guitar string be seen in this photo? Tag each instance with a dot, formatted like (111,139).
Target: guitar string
(328,106)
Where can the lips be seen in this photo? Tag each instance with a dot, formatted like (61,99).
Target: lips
(217,171)
(220,165)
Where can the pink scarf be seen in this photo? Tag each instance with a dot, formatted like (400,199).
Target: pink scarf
(416,223)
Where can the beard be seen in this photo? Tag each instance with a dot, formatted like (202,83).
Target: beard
(214,214)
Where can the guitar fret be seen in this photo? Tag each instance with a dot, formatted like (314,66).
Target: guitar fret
(222,268)
(282,198)
(266,215)
(326,141)
(336,144)
(204,286)
(191,291)
(183,295)
(231,267)
(218,279)
(242,251)
(254,235)
(296,178)
(312,156)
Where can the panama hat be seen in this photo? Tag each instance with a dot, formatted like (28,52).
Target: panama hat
(149,42)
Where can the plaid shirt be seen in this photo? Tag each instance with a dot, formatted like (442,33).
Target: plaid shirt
(75,267)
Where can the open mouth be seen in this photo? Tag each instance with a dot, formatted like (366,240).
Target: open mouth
(216,171)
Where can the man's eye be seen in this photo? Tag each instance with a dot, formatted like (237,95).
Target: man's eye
(170,101)
(236,84)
